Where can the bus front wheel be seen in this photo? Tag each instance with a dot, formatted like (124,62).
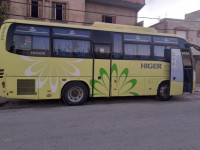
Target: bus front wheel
(74,93)
(163,92)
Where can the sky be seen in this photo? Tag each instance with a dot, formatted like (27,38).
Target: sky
(167,9)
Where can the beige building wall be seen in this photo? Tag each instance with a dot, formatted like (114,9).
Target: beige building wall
(74,12)
(17,9)
(191,26)
(22,11)
(108,9)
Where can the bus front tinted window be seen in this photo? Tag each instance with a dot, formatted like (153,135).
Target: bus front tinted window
(165,40)
(71,48)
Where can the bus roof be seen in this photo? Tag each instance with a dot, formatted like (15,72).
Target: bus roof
(98,26)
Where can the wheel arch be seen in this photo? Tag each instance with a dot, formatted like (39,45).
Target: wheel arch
(83,82)
(164,81)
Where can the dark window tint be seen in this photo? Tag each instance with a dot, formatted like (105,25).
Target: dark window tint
(102,37)
(71,48)
(109,19)
(182,43)
(102,51)
(34,9)
(71,33)
(137,38)
(31,30)
(58,11)
(118,50)
(165,40)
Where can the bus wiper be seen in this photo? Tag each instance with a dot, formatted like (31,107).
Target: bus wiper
(189,45)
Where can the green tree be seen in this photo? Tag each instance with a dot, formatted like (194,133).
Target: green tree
(2,12)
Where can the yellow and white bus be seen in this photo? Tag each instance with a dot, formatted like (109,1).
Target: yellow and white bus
(41,60)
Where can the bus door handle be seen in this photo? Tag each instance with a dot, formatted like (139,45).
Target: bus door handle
(99,77)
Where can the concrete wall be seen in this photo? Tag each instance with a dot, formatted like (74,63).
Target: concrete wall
(108,9)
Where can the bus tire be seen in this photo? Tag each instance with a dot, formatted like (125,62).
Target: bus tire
(74,93)
(163,93)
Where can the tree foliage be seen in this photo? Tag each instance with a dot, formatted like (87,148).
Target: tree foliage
(2,12)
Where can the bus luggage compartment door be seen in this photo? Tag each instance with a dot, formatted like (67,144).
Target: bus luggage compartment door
(177,73)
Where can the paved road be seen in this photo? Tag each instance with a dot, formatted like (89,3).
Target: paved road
(102,124)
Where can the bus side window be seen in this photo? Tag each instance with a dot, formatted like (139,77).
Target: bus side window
(71,48)
(159,52)
(130,51)
(118,49)
(143,52)
(102,51)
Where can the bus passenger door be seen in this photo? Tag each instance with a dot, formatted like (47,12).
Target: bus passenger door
(177,73)
(101,78)
(189,73)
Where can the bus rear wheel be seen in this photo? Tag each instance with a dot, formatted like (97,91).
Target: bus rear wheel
(74,93)
(163,93)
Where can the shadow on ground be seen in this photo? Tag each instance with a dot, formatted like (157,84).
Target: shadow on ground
(18,104)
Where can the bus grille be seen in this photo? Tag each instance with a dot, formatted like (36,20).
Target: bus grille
(26,87)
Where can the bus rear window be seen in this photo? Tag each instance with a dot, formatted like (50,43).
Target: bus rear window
(29,40)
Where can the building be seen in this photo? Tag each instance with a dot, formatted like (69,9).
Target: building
(189,28)
(81,12)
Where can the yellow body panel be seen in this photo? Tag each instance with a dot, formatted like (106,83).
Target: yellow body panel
(101,78)
(176,88)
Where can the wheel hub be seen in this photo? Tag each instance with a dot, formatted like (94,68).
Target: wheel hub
(75,94)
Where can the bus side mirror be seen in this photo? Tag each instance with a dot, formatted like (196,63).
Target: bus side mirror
(167,54)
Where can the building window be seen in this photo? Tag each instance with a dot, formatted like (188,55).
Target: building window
(34,8)
(109,19)
(58,11)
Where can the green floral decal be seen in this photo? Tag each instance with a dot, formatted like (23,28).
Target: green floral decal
(120,78)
